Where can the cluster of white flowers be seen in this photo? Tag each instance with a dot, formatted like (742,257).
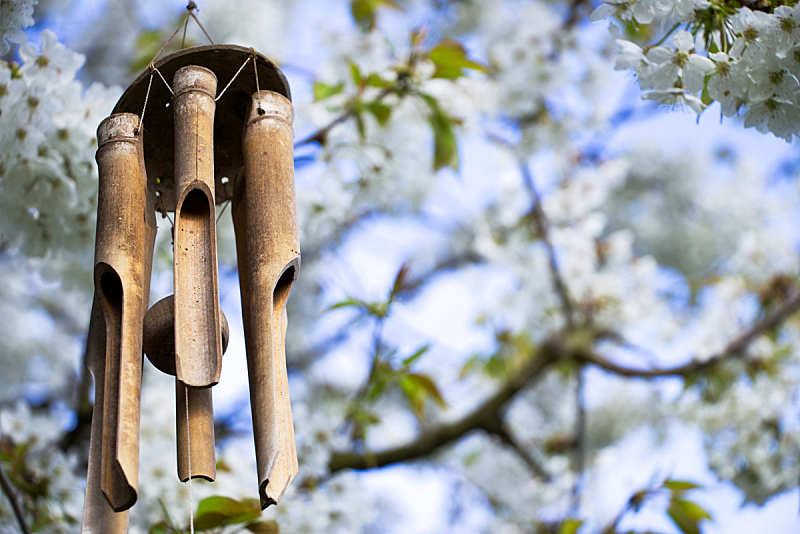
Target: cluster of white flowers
(751,441)
(14,16)
(753,64)
(48,177)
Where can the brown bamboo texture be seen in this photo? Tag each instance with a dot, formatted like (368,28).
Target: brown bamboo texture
(198,345)
(159,346)
(123,261)
(98,516)
(265,222)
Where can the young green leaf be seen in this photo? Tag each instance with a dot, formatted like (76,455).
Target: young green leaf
(679,486)
(451,59)
(445,146)
(347,303)
(264,527)
(217,511)
(407,362)
(570,526)
(399,280)
(380,111)
(686,515)
(323,90)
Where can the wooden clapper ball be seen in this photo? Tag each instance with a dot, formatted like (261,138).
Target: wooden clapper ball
(190,151)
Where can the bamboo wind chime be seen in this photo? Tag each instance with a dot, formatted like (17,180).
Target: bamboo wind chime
(184,148)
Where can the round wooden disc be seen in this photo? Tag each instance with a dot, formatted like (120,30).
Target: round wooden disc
(158,336)
(231,112)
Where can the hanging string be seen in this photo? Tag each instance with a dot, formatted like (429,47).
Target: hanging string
(144,107)
(162,79)
(234,77)
(185,27)
(190,8)
(258,89)
(189,456)
(200,24)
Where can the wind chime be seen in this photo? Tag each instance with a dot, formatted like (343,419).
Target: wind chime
(187,147)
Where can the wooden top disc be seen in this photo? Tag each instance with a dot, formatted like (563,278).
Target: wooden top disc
(231,112)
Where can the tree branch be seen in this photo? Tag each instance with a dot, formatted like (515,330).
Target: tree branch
(321,135)
(532,463)
(540,220)
(735,347)
(485,416)
(8,489)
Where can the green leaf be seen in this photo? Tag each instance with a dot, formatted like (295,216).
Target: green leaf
(570,526)
(399,280)
(373,80)
(381,111)
(407,362)
(429,386)
(161,528)
(365,11)
(418,388)
(348,302)
(362,128)
(355,73)
(445,146)
(323,90)
(218,511)
(687,515)
(451,59)
(264,527)
(679,486)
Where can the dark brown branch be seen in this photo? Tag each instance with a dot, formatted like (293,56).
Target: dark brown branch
(735,347)
(8,489)
(532,463)
(485,416)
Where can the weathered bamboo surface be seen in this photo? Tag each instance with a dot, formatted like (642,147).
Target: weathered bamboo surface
(198,345)
(199,441)
(159,346)
(98,516)
(123,260)
(265,222)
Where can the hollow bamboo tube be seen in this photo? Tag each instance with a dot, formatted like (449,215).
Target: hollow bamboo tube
(159,346)
(265,222)
(98,516)
(198,346)
(199,441)
(123,260)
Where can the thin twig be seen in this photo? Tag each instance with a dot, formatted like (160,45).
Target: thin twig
(532,463)
(540,220)
(320,135)
(482,417)
(580,442)
(735,347)
(8,489)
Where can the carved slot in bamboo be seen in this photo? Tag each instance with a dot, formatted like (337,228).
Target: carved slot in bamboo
(98,516)
(265,223)
(123,261)
(198,345)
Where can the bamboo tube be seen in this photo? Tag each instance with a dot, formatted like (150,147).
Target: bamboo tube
(159,345)
(199,441)
(265,222)
(123,259)
(198,346)
(98,516)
